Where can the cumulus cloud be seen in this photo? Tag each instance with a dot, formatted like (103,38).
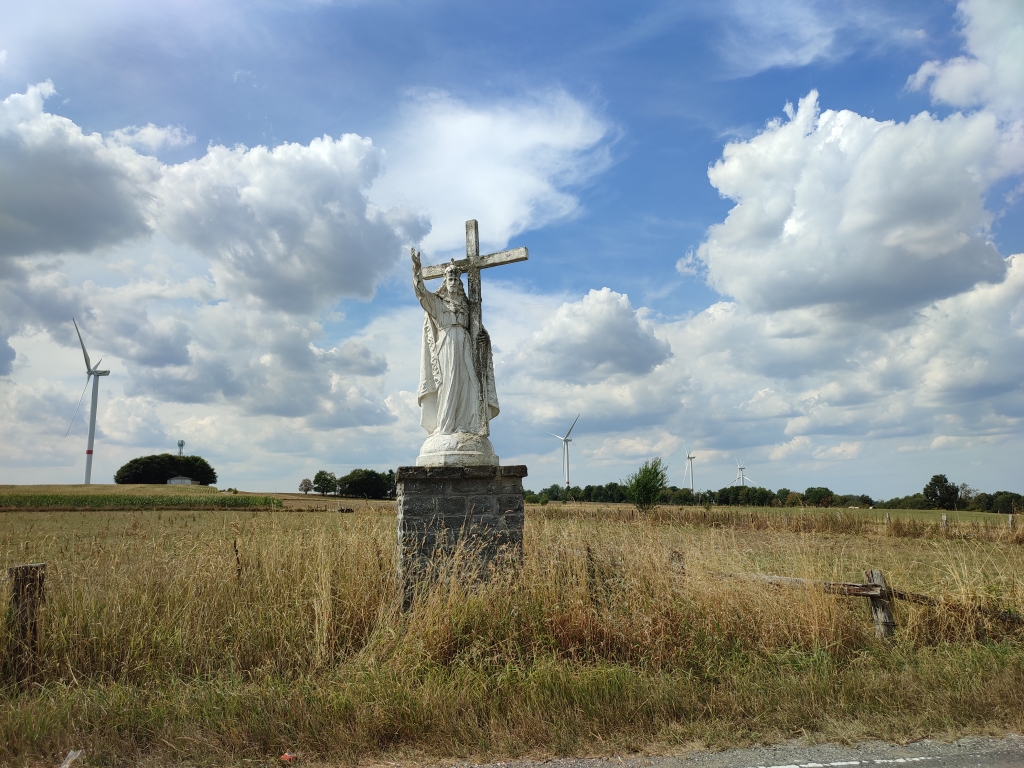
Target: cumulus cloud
(867,217)
(593,339)
(511,165)
(291,225)
(992,73)
(65,190)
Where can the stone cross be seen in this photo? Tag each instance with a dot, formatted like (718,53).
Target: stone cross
(472,265)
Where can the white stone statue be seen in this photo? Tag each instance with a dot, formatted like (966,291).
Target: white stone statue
(456,392)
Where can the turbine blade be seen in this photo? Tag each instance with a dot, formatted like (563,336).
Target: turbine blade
(88,366)
(79,405)
(554,435)
(573,424)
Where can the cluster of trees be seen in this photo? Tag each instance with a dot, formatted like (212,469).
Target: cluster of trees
(359,483)
(159,468)
(941,493)
(734,495)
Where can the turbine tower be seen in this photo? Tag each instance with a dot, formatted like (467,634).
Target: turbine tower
(689,468)
(91,371)
(565,449)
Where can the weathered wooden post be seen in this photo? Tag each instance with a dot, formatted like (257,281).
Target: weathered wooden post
(881,610)
(26,599)
(943,521)
(888,519)
(1009,521)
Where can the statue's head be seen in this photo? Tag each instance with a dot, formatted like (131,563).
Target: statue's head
(452,280)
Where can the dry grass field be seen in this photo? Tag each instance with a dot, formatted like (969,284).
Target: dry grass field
(231,636)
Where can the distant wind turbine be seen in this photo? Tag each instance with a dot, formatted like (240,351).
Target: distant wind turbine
(93,372)
(565,449)
(689,468)
(741,478)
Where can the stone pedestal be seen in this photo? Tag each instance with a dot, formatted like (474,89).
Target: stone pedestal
(480,507)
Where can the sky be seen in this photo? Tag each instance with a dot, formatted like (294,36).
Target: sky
(785,234)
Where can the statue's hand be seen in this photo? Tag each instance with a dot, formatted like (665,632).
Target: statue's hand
(416,266)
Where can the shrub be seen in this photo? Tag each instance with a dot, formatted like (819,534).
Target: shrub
(159,468)
(644,485)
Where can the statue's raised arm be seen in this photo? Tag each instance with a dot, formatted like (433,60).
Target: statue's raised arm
(417,273)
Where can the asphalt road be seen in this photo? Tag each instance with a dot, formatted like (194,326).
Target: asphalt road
(964,753)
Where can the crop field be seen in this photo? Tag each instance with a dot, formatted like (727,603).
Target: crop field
(126,497)
(230,636)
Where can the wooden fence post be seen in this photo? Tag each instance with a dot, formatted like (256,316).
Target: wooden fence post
(26,598)
(943,521)
(881,611)
(887,518)
(1009,521)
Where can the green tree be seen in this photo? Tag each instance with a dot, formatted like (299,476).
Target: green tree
(325,482)
(306,485)
(159,468)
(818,497)
(644,485)
(364,484)
(941,493)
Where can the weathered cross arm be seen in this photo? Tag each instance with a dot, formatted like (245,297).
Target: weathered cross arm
(490,260)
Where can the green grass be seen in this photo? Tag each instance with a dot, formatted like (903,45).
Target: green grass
(110,488)
(129,501)
(182,636)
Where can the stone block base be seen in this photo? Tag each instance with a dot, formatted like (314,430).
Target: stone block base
(440,508)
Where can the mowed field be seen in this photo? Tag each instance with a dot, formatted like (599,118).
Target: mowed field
(230,636)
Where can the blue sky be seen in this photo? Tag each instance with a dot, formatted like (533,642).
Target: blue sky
(782,233)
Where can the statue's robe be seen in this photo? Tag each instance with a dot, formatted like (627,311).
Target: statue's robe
(449,390)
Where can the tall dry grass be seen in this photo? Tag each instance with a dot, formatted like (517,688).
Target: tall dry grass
(227,636)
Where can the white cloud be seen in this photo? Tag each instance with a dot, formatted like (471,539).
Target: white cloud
(870,218)
(151,137)
(844,451)
(593,339)
(991,75)
(801,444)
(795,33)
(132,421)
(292,225)
(65,190)
(510,165)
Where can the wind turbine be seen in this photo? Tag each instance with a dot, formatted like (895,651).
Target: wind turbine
(565,449)
(740,477)
(689,468)
(91,371)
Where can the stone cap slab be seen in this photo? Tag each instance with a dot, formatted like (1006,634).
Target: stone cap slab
(459,473)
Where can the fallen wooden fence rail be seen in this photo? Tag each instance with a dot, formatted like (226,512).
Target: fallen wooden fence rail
(878,592)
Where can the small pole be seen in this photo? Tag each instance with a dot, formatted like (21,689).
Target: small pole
(943,521)
(26,598)
(881,611)
(1009,521)
(888,519)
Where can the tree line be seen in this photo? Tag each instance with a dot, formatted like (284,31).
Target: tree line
(359,483)
(938,493)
